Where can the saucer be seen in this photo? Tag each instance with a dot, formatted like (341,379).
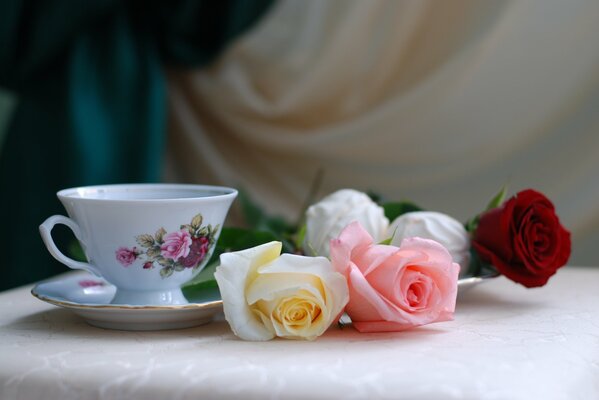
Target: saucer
(89,297)
(467,282)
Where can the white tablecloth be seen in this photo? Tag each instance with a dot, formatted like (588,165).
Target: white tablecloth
(506,342)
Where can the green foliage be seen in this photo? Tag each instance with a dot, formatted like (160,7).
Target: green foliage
(498,199)
(260,222)
(472,224)
(235,239)
(263,228)
(300,236)
(495,202)
(196,222)
(257,219)
(395,209)
(231,239)
(145,240)
(387,241)
(478,267)
(75,251)
(166,272)
(205,290)
(160,235)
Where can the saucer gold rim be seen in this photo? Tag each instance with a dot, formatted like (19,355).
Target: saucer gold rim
(70,304)
(464,283)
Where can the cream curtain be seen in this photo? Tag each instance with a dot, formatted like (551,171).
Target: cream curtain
(438,102)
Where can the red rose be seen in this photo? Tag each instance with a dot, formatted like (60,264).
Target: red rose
(523,239)
(197,252)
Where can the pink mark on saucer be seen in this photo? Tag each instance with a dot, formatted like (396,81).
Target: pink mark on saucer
(86,283)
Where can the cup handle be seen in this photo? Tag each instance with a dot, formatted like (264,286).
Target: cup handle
(46,232)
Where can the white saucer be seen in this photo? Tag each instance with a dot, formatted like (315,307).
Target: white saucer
(89,297)
(466,283)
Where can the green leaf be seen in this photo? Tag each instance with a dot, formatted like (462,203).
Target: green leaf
(75,251)
(235,239)
(178,267)
(207,274)
(300,236)
(201,291)
(495,202)
(312,251)
(188,228)
(196,222)
(472,224)
(387,241)
(395,209)
(145,240)
(160,235)
(374,196)
(166,272)
(153,252)
(165,262)
(498,199)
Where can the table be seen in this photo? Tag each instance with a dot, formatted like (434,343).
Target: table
(506,342)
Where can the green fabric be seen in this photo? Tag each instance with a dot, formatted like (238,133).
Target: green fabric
(8,102)
(90,81)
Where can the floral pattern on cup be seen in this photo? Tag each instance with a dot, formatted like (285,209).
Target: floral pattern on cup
(87,283)
(171,251)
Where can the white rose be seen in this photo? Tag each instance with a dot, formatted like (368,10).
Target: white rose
(327,218)
(266,294)
(436,226)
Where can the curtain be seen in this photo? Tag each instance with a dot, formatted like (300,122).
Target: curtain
(438,102)
(90,83)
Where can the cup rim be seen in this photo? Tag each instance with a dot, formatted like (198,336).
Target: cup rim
(205,192)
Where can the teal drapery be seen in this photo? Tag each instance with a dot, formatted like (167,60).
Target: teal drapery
(89,78)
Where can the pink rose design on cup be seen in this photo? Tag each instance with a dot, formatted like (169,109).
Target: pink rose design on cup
(126,256)
(395,288)
(172,252)
(176,245)
(197,252)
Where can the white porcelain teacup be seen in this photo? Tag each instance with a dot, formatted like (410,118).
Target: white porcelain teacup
(145,239)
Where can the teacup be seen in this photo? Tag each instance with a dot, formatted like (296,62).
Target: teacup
(145,239)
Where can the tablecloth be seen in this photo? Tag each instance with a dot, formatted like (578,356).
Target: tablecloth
(506,342)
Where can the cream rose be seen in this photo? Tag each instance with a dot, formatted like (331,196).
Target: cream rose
(266,294)
(327,218)
(436,226)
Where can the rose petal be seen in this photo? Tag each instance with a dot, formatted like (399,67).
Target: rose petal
(327,218)
(437,226)
(312,274)
(373,257)
(272,286)
(367,304)
(351,237)
(232,274)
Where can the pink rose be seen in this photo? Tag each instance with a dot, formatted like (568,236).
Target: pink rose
(176,245)
(395,288)
(126,256)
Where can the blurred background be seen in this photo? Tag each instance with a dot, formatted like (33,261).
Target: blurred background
(441,103)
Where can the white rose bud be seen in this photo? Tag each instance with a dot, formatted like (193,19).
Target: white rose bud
(436,226)
(266,294)
(327,218)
